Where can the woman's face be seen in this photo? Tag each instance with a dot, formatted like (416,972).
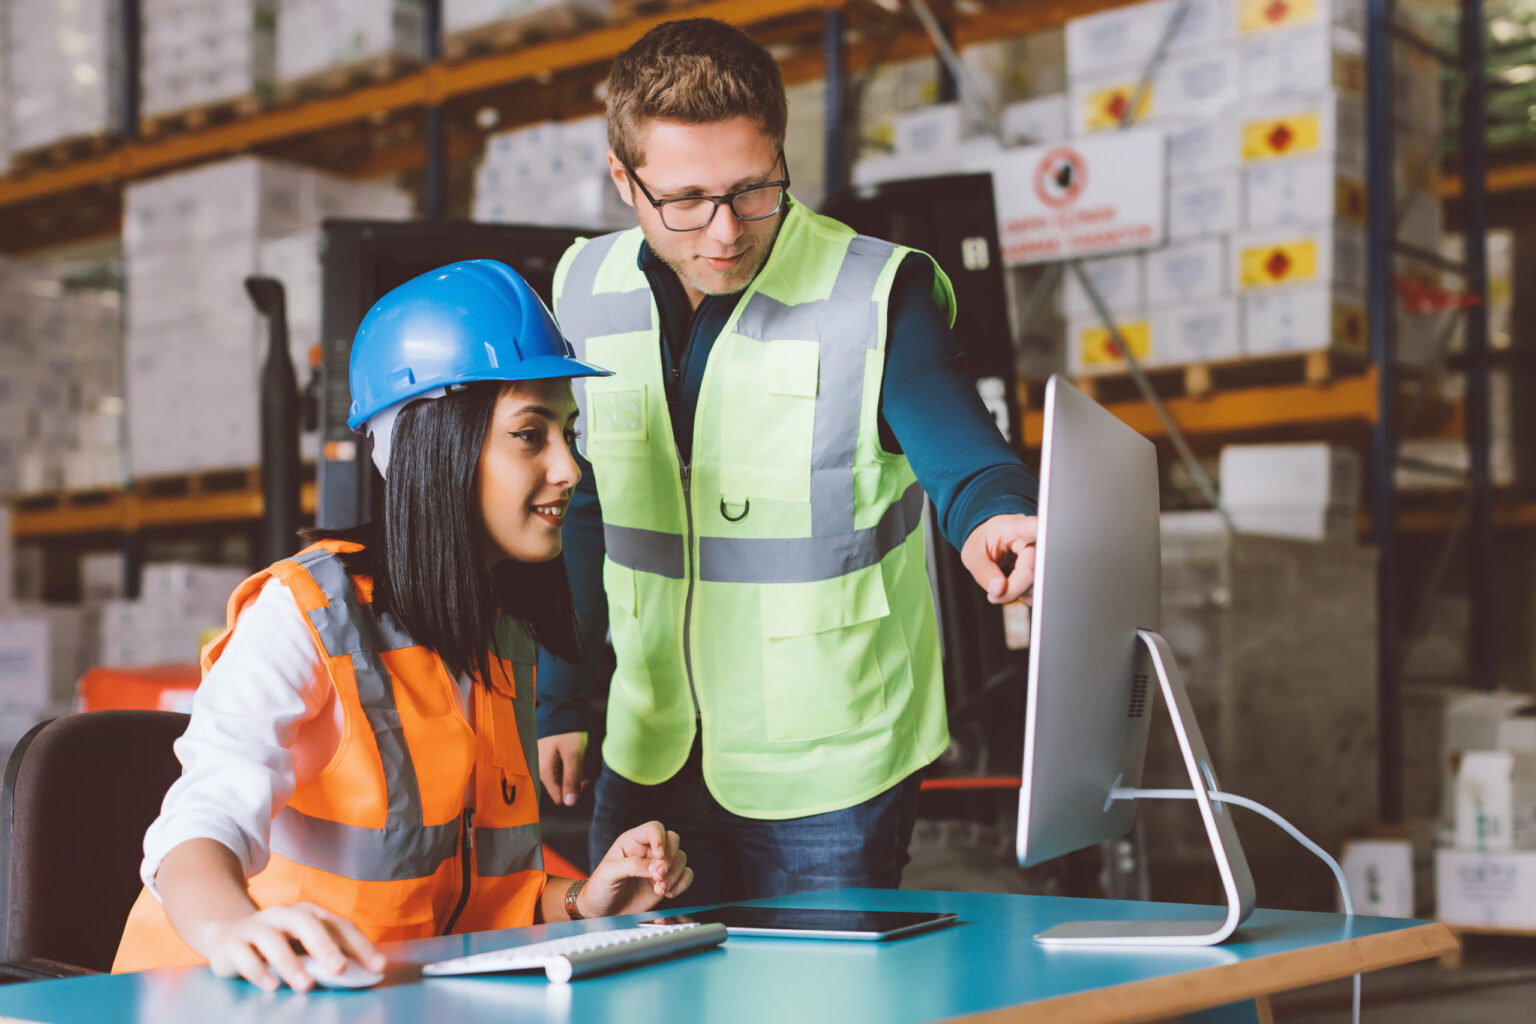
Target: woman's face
(527,471)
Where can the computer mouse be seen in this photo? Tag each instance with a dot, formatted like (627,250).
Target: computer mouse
(354,975)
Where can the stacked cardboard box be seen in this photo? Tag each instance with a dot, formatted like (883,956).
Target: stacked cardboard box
(60,397)
(201,52)
(1263,108)
(315,35)
(194,342)
(1275,639)
(44,649)
(552,172)
(552,17)
(1486,878)
(63,68)
(179,604)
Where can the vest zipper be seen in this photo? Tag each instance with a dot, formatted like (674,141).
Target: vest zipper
(688,600)
(466,856)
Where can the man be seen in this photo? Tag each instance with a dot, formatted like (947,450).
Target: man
(748,531)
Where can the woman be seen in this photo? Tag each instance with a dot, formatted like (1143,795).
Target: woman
(357,767)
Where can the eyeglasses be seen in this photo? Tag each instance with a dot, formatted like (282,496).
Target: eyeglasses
(691,213)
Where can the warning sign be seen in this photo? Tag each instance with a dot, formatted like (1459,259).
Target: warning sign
(1089,197)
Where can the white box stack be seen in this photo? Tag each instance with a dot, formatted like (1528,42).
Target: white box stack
(1303,491)
(1263,104)
(44,649)
(552,172)
(550,16)
(314,36)
(60,396)
(178,604)
(194,343)
(196,53)
(63,67)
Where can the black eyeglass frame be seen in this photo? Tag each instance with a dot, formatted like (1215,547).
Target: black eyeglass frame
(729,198)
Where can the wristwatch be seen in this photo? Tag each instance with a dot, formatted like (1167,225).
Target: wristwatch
(570,900)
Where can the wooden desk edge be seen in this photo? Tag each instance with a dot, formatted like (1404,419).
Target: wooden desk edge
(1168,997)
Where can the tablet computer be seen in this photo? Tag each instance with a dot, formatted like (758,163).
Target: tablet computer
(813,922)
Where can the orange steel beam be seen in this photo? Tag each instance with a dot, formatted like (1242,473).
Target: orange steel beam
(1344,400)
(123,513)
(1513,178)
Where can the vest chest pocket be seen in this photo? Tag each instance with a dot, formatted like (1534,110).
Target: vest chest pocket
(616,415)
(821,670)
(768,408)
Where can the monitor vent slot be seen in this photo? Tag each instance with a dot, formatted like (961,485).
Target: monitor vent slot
(1138,706)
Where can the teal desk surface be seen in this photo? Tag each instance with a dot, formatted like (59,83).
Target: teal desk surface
(987,964)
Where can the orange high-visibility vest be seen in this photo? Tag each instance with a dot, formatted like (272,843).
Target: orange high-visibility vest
(383,835)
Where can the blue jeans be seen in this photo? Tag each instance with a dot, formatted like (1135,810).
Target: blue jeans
(736,858)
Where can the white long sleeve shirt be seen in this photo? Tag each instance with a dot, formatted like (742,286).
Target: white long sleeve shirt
(264,720)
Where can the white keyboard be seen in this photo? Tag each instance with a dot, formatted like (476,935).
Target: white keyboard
(587,953)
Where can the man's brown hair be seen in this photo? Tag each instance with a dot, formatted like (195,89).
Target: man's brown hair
(692,71)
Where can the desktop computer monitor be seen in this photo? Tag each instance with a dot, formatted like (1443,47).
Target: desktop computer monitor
(1096,664)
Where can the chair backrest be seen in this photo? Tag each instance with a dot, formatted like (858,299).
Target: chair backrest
(79,793)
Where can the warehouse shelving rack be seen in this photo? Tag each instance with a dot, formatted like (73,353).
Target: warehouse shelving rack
(437,113)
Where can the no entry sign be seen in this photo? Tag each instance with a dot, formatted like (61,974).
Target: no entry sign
(1087,196)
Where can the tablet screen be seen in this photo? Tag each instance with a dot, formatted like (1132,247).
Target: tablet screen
(810,922)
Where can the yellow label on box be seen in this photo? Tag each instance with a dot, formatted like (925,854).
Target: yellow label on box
(1276,137)
(1349,328)
(1099,349)
(1105,107)
(1349,200)
(1264,15)
(1262,266)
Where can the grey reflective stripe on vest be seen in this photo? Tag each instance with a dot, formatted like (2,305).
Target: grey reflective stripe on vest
(804,559)
(368,854)
(341,625)
(515,644)
(506,851)
(582,314)
(842,320)
(645,550)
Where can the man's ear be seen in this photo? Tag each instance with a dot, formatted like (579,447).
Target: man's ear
(621,179)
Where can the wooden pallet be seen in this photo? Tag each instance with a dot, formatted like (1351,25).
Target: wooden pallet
(62,151)
(511,33)
(629,10)
(65,501)
(205,482)
(344,77)
(191,119)
(1195,379)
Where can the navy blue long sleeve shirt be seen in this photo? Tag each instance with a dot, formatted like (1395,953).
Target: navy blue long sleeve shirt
(929,411)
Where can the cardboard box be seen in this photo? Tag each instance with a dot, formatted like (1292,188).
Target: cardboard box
(1273,15)
(1495,806)
(1201,84)
(1380,873)
(1280,320)
(1189,272)
(1314,474)
(1203,206)
(1042,119)
(1204,147)
(932,129)
(1121,282)
(1331,125)
(1486,890)
(1303,191)
(1090,348)
(1198,333)
(1303,62)
(1298,255)
(1306,522)
(1129,35)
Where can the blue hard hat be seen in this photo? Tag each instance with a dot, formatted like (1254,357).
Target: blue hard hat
(469,321)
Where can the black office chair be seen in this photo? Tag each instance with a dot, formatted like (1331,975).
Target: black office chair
(79,793)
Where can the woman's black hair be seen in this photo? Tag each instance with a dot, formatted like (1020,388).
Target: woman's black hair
(425,549)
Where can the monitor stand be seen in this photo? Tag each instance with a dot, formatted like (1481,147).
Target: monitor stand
(1236,880)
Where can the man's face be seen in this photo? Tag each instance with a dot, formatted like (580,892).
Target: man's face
(704,159)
